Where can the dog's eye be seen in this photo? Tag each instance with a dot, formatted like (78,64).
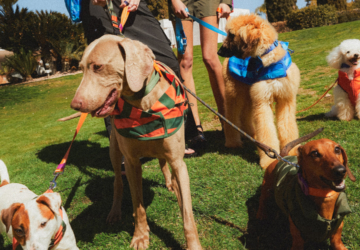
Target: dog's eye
(97,67)
(315,154)
(43,224)
(348,52)
(19,231)
(337,150)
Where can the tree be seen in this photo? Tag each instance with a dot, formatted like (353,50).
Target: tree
(15,29)
(339,4)
(261,9)
(311,3)
(278,9)
(159,8)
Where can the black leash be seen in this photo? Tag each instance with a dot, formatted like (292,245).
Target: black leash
(270,152)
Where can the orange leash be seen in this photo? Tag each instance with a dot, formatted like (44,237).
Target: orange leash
(321,97)
(124,16)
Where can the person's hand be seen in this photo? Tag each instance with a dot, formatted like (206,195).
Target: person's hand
(179,9)
(132,4)
(225,10)
(101,3)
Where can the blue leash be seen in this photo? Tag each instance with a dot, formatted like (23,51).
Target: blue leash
(206,25)
(180,34)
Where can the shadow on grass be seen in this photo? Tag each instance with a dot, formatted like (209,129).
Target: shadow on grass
(92,220)
(216,143)
(317,117)
(83,154)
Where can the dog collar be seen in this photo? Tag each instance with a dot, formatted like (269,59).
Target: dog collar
(313,191)
(271,48)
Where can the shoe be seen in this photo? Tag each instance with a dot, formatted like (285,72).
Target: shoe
(200,138)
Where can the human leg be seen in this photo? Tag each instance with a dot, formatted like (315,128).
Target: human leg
(211,60)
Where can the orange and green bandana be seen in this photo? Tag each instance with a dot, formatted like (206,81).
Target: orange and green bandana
(163,119)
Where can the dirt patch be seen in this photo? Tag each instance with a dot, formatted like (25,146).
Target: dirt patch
(302,91)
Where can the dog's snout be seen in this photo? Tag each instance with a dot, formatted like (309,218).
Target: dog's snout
(76,104)
(339,171)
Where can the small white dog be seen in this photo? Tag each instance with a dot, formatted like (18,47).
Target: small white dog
(32,221)
(346,58)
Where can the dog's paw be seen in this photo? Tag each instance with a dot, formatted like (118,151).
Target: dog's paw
(140,242)
(114,216)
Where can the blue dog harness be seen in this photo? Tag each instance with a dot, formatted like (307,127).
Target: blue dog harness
(252,70)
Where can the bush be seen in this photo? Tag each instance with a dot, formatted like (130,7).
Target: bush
(348,16)
(23,62)
(312,16)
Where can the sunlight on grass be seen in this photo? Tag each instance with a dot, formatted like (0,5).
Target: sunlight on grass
(224,182)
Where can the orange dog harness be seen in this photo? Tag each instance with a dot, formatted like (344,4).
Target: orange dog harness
(351,87)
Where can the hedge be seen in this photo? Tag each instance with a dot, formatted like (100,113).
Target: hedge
(312,16)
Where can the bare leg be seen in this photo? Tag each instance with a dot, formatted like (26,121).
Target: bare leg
(212,62)
(186,66)
(116,158)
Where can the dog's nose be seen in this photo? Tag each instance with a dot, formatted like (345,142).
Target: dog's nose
(76,104)
(356,55)
(339,171)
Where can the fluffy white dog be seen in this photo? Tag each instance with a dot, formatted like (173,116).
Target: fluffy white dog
(346,58)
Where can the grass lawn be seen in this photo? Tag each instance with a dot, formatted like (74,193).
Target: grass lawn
(224,182)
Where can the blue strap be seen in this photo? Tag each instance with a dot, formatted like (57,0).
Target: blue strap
(206,25)
(180,36)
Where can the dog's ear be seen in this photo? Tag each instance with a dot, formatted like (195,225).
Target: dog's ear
(345,163)
(51,200)
(334,59)
(8,214)
(250,39)
(138,63)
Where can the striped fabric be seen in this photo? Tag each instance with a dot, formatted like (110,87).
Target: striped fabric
(163,119)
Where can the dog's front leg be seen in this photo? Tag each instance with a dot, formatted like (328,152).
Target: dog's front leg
(140,239)
(335,239)
(116,158)
(166,172)
(297,240)
(181,187)
(286,121)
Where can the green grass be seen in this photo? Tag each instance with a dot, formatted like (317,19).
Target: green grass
(224,182)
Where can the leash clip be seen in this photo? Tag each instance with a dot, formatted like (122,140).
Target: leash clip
(53,183)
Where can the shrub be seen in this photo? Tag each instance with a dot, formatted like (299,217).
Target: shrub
(312,16)
(348,16)
(22,62)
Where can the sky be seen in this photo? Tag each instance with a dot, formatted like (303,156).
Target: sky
(59,5)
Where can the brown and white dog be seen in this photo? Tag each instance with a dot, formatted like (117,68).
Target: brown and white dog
(114,67)
(250,106)
(312,196)
(34,221)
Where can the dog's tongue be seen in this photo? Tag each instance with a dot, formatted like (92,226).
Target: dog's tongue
(107,106)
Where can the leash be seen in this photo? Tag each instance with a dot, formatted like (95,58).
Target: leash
(61,167)
(205,24)
(270,152)
(321,97)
